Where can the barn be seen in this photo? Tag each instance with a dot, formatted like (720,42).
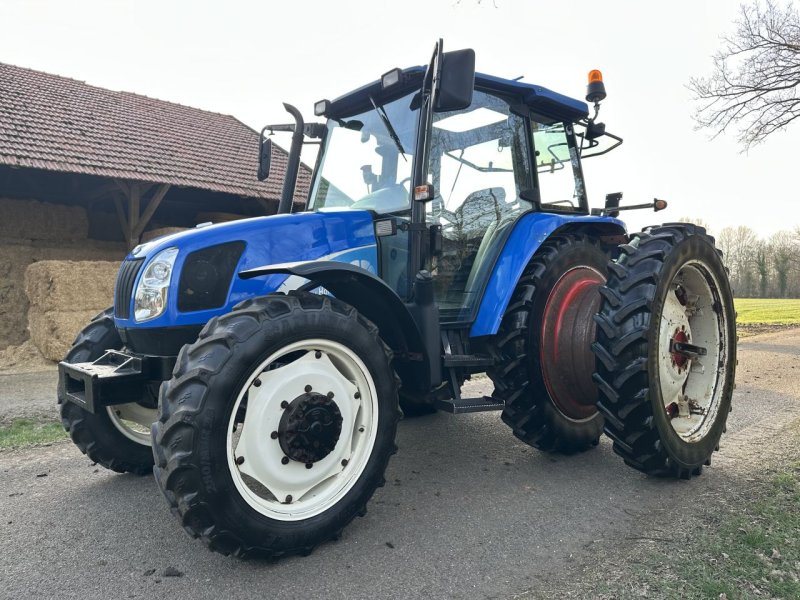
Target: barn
(86,173)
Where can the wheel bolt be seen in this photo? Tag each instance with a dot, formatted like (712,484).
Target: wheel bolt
(274,435)
(239,460)
(309,465)
(307,388)
(284,404)
(318,354)
(285,460)
(344,462)
(256,383)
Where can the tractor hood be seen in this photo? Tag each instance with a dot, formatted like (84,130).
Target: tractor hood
(203,282)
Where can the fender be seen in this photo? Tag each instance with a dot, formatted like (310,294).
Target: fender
(379,303)
(529,233)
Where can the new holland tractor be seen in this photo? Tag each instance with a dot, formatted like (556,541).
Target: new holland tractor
(259,368)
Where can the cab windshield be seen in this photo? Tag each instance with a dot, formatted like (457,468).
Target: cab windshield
(366,163)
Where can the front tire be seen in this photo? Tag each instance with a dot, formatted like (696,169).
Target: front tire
(666,351)
(277,425)
(544,361)
(115,437)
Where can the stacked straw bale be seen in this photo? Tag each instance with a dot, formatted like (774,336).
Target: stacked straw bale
(64,296)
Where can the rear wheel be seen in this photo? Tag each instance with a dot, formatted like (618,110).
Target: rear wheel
(116,437)
(277,426)
(666,350)
(543,348)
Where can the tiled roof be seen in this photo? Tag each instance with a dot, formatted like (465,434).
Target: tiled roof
(60,124)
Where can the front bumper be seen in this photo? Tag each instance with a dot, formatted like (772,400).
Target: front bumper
(114,378)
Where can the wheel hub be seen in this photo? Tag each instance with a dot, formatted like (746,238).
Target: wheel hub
(310,427)
(567,333)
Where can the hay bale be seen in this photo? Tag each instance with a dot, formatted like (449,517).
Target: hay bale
(53,332)
(82,250)
(34,220)
(54,285)
(22,358)
(153,234)
(14,259)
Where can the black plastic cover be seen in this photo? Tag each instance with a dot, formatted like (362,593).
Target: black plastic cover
(206,277)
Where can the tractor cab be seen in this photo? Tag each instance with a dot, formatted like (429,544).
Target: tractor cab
(501,150)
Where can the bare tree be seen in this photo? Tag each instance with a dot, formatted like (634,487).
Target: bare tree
(762,264)
(696,221)
(739,245)
(754,84)
(784,251)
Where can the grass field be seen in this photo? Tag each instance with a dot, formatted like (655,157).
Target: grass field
(23,432)
(768,311)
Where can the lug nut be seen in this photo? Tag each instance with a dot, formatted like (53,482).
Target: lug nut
(284,404)
(307,388)
(330,395)
(317,354)
(357,395)
(239,460)
(274,435)
(309,465)
(256,383)
(288,499)
(360,430)
(344,462)
(285,460)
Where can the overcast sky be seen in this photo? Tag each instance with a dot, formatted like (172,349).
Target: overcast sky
(245,58)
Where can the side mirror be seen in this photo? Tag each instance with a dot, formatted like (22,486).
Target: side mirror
(264,157)
(457,81)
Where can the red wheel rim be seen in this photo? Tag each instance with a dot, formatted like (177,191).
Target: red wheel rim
(565,346)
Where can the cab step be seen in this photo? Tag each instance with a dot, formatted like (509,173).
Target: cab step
(470,405)
(467,360)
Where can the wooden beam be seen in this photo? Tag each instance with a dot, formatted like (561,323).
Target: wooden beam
(155,201)
(126,190)
(133,213)
(123,222)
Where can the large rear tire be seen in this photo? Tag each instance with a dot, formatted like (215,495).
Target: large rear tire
(116,437)
(666,350)
(544,361)
(277,425)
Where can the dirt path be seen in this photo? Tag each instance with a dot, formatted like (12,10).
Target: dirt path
(469,512)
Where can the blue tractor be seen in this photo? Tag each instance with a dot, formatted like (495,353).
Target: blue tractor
(259,368)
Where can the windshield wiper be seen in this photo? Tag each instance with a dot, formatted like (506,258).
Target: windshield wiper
(389,129)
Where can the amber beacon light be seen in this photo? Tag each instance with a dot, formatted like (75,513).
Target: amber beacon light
(595,91)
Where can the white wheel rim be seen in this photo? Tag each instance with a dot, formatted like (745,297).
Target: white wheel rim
(691,386)
(289,491)
(133,421)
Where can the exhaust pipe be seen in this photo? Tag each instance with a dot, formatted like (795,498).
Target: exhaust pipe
(293,164)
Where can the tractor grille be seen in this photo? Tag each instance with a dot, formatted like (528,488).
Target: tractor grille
(124,288)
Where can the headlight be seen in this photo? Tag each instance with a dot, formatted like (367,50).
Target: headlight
(150,299)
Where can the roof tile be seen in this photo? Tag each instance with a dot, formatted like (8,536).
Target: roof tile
(61,124)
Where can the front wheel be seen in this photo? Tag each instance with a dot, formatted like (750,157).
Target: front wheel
(666,350)
(116,437)
(277,425)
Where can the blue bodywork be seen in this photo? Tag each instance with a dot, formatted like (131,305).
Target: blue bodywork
(345,235)
(348,235)
(530,231)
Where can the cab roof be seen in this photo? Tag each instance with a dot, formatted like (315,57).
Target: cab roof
(539,99)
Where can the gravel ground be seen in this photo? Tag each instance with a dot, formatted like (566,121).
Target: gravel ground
(468,511)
